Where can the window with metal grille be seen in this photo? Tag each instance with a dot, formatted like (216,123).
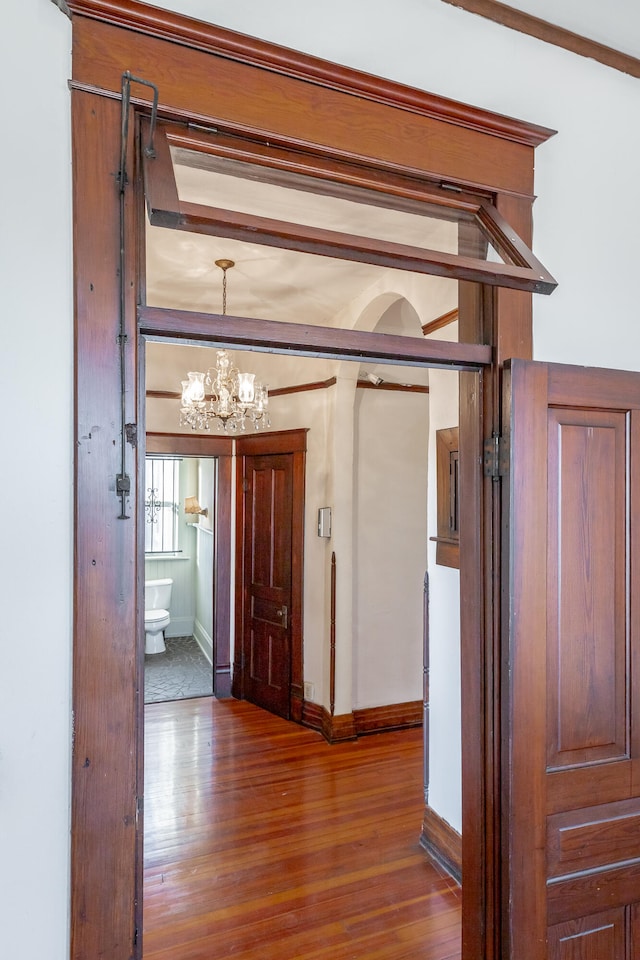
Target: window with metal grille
(161,504)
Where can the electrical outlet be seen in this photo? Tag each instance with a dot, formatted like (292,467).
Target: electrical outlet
(309,691)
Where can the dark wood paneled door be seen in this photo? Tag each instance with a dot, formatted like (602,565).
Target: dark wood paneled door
(571,773)
(266,640)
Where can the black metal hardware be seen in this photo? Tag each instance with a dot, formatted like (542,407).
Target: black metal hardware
(495,457)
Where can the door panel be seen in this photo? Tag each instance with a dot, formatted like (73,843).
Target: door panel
(601,937)
(267,579)
(587,706)
(570,787)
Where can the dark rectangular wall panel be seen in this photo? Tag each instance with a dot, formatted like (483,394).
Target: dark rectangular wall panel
(587,573)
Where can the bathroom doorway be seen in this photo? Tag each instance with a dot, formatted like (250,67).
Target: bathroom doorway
(179,528)
(196,661)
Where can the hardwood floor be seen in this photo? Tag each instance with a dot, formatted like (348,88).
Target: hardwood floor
(263,841)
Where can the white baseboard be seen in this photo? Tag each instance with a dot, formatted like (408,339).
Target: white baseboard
(180,627)
(204,641)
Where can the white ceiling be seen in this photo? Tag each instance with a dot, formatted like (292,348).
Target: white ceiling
(267,282)
(284,285)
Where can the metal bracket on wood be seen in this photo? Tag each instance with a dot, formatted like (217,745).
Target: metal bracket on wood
(123,482)
(495,457)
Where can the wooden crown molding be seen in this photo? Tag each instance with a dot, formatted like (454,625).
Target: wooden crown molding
(305,388)
(440,322)
(166,25)
(277,392)
(550,33)
(392,387)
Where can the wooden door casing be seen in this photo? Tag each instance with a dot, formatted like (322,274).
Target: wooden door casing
(571,790)
(294,98)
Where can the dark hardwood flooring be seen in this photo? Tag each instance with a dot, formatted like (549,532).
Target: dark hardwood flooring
(263,841)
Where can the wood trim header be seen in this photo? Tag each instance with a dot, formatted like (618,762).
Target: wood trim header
(550,33)
(214,91)
(199,35)
(189,444)
(296,338)
(273,441)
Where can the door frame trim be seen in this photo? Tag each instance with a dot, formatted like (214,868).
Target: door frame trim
(261,88)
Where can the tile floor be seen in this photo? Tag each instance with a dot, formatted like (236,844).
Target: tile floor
(181,672)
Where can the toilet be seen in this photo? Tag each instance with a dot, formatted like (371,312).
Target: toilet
(157,597)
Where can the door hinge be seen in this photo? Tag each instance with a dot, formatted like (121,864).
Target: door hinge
(496,457)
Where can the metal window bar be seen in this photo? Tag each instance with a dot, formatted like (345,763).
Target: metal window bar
(162,504)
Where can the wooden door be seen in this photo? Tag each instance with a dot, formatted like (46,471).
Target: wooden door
(266,637)
(571,774)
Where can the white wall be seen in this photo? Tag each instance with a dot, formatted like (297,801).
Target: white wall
(203,627)
(390,555)
(312,411)
(593,251)
(391,439)
(36,564)
(445,757)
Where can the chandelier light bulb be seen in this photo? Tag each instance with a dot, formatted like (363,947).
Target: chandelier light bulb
(195,387)
(246,388)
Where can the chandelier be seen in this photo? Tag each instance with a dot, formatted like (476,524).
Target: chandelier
(234,397)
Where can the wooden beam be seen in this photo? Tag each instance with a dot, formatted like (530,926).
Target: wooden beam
(232,224)
(550,33)
(296,338)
